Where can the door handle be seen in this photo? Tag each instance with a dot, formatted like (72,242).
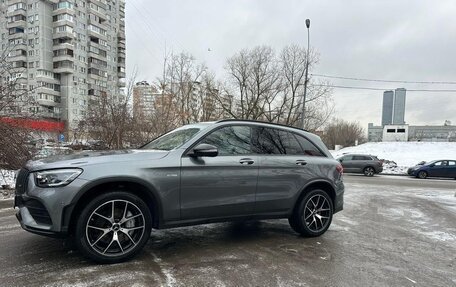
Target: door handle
(301,162)
(248,161)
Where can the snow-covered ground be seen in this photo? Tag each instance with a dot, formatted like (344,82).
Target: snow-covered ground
(7,177)
(403,154)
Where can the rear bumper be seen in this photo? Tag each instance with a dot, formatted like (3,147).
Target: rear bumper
(339,196)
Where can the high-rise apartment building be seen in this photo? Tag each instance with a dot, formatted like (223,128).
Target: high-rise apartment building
(393,111)
(399,107)
(387,110)
(68,53)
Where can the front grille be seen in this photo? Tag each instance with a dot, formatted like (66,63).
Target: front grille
(38,211)
(22,181)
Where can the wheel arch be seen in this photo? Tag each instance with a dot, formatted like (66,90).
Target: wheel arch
(316,184)
(136,186)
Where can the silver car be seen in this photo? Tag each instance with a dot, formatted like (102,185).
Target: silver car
(109,201)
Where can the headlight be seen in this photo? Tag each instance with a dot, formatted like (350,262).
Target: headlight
(56,177)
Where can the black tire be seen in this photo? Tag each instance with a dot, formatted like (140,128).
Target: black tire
(369,171)
(120,236)
(320,211)
(422,174)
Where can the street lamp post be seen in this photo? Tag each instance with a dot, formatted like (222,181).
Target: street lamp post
(306,75)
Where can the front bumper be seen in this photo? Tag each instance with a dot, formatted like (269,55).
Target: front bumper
(42,210)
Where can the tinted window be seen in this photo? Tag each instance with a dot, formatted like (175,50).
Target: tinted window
(361,157)
(274,141)
(230,140)
(308,147)
(346,157)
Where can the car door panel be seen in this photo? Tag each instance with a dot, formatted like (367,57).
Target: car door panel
(224,185)
(285,168)
(218,186)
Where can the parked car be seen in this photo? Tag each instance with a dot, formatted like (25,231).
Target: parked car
(207,172)
(436,168)
(361,163)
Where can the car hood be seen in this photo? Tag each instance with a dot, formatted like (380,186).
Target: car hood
(85,158)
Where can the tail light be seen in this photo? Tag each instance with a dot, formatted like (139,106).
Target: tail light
(340,169)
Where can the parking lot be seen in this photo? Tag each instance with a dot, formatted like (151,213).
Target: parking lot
(394,231)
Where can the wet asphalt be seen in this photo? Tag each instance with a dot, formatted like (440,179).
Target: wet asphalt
(394,231)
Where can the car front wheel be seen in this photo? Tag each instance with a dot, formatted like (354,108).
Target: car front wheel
(313,215)
(113,227)
(422,174)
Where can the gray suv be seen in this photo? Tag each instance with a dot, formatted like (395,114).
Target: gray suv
(109,201)
(368,165)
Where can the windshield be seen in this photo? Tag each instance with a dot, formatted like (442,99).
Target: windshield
(172,140)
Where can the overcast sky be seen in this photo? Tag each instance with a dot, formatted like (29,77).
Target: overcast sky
(392,40)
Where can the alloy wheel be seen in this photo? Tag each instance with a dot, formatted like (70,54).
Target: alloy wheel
(115,228)
(369,171)
(317,213)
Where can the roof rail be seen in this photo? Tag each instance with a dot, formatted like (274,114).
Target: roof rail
(261,122)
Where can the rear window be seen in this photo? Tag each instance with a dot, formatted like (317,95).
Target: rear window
(275,141)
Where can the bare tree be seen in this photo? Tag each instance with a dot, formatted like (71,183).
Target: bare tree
(15,100)
(340,132)
(262,86)
(108,118)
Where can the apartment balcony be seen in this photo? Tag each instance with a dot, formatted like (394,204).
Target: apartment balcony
(17,23)
(100,12)
(47,103)
(101,3)
(61,46)
(63,23)
(45,90)
(97,35)
(49,114)
(63,11)
(64,34)
(16,12)
(121,83)
(64,67)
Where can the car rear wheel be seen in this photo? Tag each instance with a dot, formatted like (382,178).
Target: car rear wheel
(313,215)
(422,174)
(113,227)
(369,171)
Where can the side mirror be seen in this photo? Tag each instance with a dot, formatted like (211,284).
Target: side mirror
(431,165)
(340,160)
(203,150)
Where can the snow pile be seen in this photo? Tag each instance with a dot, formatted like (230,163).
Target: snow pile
(402,155)
(7,177)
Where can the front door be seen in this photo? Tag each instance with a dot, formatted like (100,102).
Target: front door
(221,186)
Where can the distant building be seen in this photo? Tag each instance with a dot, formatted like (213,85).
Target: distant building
(399,107)
(69,53)
(411,133)
(395,133)
(393,111)
(387,111)
(144,99)
(374,133)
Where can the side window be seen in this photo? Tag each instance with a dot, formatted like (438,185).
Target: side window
(308,147)
(347,157)
(361,157)
(274,141)
(231,140)
(439,163)
(452,163)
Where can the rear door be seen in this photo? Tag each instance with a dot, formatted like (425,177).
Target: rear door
(287,162)
(348,163)
(450,169)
